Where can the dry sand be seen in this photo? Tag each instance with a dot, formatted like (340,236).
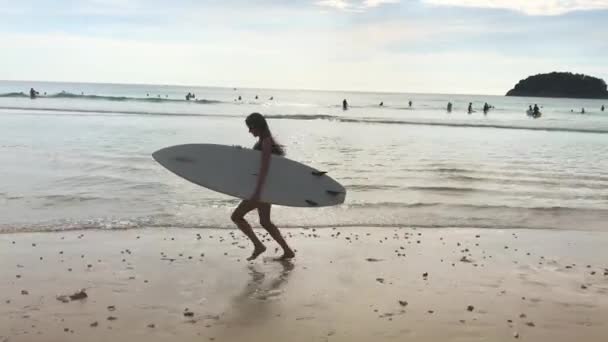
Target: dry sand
(346,284)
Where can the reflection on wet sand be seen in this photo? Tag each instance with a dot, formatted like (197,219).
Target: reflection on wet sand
(256,303)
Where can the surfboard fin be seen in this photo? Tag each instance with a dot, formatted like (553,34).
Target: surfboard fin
(318,173)
(334,193)
(312,203)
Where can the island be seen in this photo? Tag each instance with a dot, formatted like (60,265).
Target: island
(561,84)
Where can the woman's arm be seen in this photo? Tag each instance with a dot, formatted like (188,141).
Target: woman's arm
(264,165)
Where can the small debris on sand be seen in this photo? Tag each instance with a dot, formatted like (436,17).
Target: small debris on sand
(24,292)
(151,325)
(464,259)
(94,324)
(380,280)
(373,259)
(403,303)
(112,318)
(470,308)
(111,308)
(79,295)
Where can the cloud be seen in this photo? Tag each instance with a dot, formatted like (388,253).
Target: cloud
(529,7)
(354,6)
(376,3)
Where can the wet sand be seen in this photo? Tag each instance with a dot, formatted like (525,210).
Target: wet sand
(346,284)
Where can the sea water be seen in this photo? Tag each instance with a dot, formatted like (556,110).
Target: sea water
(80,157)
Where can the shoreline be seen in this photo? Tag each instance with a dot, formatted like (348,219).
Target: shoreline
(356,284)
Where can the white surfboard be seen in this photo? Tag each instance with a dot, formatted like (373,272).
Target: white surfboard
(233,171)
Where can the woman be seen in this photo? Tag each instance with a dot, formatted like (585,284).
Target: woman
(258,127)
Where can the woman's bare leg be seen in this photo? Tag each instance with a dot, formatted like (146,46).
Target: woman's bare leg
(264,212)
(238,217)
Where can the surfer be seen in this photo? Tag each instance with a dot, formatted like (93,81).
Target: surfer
(258,127)
(33,93)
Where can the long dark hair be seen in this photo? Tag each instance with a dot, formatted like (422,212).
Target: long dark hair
(258,121)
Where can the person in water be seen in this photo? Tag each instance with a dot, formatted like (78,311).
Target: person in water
(470,109)
(410,103)
(449,108)
(486,108)
(344,105)
(603,108)
(582,110)
(258,127)
(381,104)
(33,93)
(536,110)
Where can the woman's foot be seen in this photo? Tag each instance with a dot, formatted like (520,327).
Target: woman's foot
(288,254)
(256,252)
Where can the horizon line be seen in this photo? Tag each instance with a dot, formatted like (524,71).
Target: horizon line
(261,88)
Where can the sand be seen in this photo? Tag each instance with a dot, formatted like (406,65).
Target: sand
(346,284)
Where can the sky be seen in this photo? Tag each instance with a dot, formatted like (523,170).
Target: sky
(423,46)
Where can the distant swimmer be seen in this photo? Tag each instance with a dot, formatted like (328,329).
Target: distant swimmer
(147,94)
(344,105)
(486,108)
(256,97)
(381,104)
(240,98)
(470,109)
(271,98)
(536,110)
(603,108)
(582,110)
(188,97)
(449,108)
(410,103)
(33,93)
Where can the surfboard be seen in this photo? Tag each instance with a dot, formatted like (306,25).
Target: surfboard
(233,171)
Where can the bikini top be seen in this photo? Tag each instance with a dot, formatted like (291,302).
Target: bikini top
(276,148)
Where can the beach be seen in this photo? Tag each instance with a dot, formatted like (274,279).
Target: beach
(455,227)
(345,284)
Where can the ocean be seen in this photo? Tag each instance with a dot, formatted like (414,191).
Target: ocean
(79,157)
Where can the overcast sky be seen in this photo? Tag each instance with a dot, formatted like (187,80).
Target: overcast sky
(437,46)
